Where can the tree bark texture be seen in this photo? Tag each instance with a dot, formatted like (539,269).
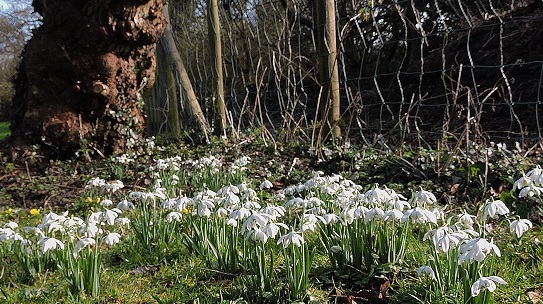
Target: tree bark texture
(82,71)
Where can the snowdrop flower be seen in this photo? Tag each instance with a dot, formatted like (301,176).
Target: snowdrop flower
(376,212)
(348,216)
(330,218)
(392,215)
(254,205)
(266,184)
(122,221)
(113,186)
(204,208)
(95,182)
(89,229)
(424,198)
(494,208)
(520,226)
(486,283)
(8,234)
(274,211)
(94,217)
(400,205)
(297,202)
(535,172)
(522,182)
(106,203)
(426,271)
(271,229)
(55,226)
(125,205)
(466,220)
(240,214)
(419,215)
(255,221)
(257,235)
(221,212)
(443,238)
(73,223)
(279,196)
(360,212)
(48,243)
(11,224)
(376,196)
(82,243)
(33,230)
(112,238)
(174,216)
(231,199)
(314,202)
(292,237)
(110,215)
(530,191)
(169,204)
(476,250)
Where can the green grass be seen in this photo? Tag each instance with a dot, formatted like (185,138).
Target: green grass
(4,129)
(180,275)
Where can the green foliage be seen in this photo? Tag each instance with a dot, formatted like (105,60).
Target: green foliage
(201,259)
(4,129)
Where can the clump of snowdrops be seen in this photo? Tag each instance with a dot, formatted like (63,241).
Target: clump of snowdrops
(269,239)
(68,243)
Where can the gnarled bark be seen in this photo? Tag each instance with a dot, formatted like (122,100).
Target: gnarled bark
(81,74)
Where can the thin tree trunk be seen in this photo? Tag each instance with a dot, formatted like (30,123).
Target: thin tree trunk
(218,80)
(173,108)
(333,68)
(173,53)
(325,36)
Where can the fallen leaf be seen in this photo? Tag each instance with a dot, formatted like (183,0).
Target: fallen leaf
(535,296)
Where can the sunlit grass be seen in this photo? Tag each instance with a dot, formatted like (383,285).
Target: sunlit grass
(151,265)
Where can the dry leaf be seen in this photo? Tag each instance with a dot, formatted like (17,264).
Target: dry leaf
(535,296)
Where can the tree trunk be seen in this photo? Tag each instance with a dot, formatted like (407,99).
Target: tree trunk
(174,124)
(216,59)
(79,82)
(172,54)
(324,14)
(333,68)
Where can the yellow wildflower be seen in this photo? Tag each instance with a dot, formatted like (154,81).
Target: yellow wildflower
(89,199)
(34,211)
(185,210)
(97,200)
(9,211)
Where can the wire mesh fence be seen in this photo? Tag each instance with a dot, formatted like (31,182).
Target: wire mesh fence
(411,72)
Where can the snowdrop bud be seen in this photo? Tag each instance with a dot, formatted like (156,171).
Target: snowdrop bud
(336,249)
(426,271)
